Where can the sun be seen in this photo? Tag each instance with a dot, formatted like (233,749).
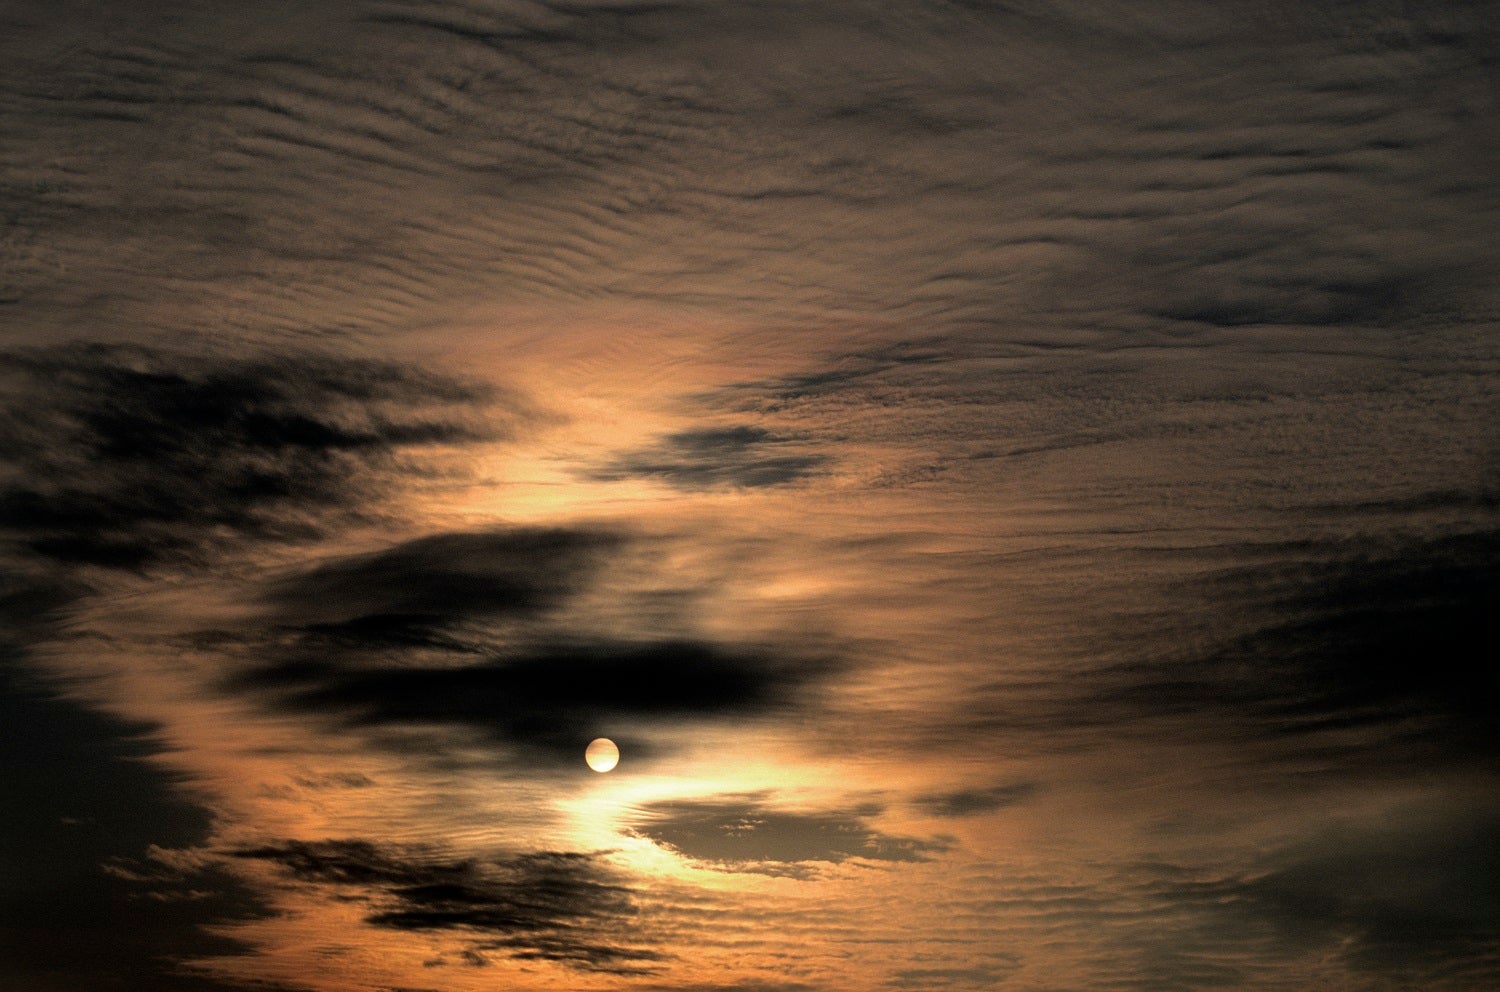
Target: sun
(602,754)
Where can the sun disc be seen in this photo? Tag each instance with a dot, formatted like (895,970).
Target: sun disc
(602,754)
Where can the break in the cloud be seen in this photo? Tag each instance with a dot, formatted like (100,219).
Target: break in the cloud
(126,456)
(749,833)
(547,905)
(742,456)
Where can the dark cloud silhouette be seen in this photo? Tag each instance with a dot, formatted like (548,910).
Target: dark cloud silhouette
(476,630)
(551,699)
(84,810)
(1377,634)
(748,833)
(32,603)
(128,456)
(421,593)
(709,458)
(1413,901)
(968,802)
(545,905)
(1376,650)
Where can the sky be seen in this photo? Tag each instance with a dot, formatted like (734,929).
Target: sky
(1018,481)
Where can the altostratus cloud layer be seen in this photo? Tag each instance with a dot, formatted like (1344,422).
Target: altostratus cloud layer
(1050,167)
(1016,479)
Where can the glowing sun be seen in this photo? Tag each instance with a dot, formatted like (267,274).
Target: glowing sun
(602,755)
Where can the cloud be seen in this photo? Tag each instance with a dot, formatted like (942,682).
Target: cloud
(335,780)
(742,456)
(550,699)
(837,375)
(127,457)
(546,905)
(968,802)
(1178,263)
(922,175)
(1370,653)
(1362,634)
(482,632)
(1410,899)
(747,986)
(979,975)
(31,603)
(421,593)
(86,804)
(1396,901)
(746,833)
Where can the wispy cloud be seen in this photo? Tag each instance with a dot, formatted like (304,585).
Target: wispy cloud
(742,456)
(545,905)
(970,802)
(1413,899)
(1359,652)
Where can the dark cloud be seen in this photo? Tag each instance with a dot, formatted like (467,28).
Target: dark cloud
(421,593)
(748,833)
(968,802)
(553,699)
(839,374)
(32,603)
(1480,500)
(1389,634)
(1414,902)
(1273,266)
(128,456)
(1371,652)
(477,631)
(84,810)
(742,456)
(546,905)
